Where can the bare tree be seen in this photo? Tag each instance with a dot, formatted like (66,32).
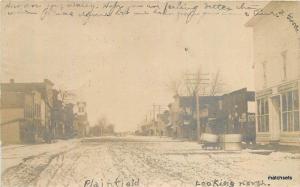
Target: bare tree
(62,96)
(65,95)
(110,129)
(180,85)
(103,127)
(101,124)
(192,83)
(216,84)
(195,83)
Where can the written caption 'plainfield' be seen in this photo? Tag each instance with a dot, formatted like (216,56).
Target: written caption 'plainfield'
(117,182)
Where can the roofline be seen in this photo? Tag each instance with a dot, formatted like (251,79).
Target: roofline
(45,81)
(12,121)
(256,19)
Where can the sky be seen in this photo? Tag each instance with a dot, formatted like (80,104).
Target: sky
(121,65)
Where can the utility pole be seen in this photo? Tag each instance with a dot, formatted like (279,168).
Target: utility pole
(198,116)
(196,80)
(156,110)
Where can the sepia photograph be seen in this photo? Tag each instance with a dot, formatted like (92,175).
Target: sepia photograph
(150,93)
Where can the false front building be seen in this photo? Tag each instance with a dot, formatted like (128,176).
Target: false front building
(276,48)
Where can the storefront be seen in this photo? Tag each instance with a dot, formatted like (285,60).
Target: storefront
(277,118)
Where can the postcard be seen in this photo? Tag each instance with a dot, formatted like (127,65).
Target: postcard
(150,93)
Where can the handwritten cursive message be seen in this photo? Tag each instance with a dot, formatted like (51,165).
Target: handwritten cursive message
(187,11)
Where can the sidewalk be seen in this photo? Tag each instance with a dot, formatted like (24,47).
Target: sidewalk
(275,147)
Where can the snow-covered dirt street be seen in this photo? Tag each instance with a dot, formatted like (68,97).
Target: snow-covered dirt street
(142,161)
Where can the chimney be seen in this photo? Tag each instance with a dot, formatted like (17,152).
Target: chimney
(11,81)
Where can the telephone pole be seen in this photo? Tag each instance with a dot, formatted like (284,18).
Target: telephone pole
(196,80)
(153,112)
(156,110)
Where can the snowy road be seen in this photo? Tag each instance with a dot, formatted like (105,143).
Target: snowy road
(141,161)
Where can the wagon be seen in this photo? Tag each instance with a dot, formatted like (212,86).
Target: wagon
(210,141)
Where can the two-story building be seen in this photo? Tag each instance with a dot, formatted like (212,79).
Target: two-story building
(276,55)
(25,111)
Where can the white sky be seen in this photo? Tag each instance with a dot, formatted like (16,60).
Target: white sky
(120,65)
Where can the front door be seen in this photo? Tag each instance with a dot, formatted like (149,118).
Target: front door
(275,118)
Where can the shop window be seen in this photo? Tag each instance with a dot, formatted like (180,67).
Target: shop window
(296,121)
(37,111)
(290,111)
(263,115)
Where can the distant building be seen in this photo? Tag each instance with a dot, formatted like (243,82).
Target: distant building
(150,128)
(276,41)
(175,118)
(162,123)
(155,126)
(25,111)
(81,124)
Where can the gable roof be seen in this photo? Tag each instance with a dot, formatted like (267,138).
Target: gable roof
(26,87)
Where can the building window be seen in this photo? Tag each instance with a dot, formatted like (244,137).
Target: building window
(264,65)
(37,110)
(290,111)
(31,111)
(263,115)
(283,54)
(81,109)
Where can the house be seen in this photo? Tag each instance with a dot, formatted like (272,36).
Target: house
(276,55)
(25,111)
